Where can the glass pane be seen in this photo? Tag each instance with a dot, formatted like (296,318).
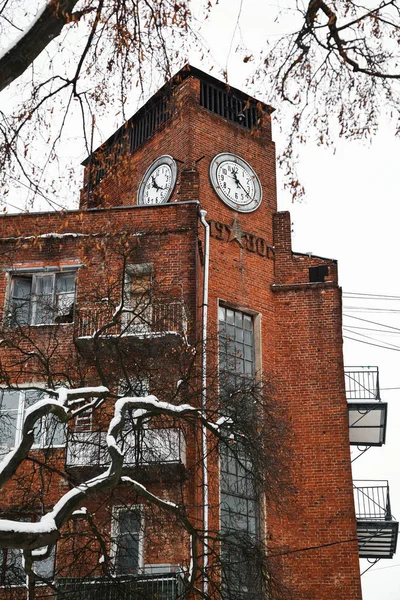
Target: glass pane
(65,298)
(32,396)
(55,433)
(248,352)
(248,338)
(238,319)
(21,301)
(22,287)
(9,405)
(9,400)
(14,573)
(43,310)
(128,522)
(248,368)
(65,283)
(230,316)
(45,568)
(248,322)
(127,552)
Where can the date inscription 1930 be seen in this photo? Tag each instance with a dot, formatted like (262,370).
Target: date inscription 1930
(248,241)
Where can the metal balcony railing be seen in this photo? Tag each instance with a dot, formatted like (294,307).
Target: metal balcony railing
(150,320)
(362,383)
(153,446)
(168,586)
(372,501)
(367,414)
(377,529)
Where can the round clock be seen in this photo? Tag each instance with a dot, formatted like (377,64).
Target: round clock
(235,182)
(158,182)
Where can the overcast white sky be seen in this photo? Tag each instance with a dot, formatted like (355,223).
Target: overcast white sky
(351,213)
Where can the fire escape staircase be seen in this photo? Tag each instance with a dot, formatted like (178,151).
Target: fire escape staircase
(377,530)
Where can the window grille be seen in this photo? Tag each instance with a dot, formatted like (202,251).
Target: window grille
(228,105)
(136,131)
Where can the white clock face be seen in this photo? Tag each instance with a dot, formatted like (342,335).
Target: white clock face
(235,182)
(158,182)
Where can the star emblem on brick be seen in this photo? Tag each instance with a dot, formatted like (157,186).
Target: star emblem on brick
(235,233)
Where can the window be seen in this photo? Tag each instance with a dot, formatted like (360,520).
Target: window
(137,316)
(239,511)
(127,540)
(13,404)
(41,298)
(12,572)
(236,349)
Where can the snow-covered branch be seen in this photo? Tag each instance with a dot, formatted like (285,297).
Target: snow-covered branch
(31,536)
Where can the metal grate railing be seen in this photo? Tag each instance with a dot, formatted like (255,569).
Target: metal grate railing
(155,318)
(145,125)
(168,586)
(372,501)
(154,446)
(128,138)
(228,105)
(362,383)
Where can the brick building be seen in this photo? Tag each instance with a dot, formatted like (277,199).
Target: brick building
(176,255)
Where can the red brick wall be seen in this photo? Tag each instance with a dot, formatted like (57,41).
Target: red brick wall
(252,267)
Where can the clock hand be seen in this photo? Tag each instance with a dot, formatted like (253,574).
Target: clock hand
(155,183)
(238,183)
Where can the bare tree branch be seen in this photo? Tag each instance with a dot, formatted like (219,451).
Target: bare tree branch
(47,25)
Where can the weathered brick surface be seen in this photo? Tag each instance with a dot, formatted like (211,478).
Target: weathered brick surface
(253,268)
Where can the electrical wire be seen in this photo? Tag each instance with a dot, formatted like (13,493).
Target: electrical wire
(372,329)
(361,296)
(369,337)
(372,322)
(371,294)
(346,337)
(372,309)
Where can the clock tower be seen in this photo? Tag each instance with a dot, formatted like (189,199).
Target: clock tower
(273,315)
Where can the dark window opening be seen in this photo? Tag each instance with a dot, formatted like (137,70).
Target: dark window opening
(229,106)
(318,274)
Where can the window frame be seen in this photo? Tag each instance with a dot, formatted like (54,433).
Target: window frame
(115,531)
(35,276)
(22,407)
(18,554)
(236,490)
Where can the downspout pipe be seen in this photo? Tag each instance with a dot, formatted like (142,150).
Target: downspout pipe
(206,226)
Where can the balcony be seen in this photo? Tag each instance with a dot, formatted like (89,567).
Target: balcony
(158,586)
(165,321)
(376,528)
(155,453)
(367,414)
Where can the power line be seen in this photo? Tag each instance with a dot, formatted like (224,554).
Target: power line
(372,322)
(383,568)
(371,295)
(370,344)
(371,310)
(372,329)
(369,337)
